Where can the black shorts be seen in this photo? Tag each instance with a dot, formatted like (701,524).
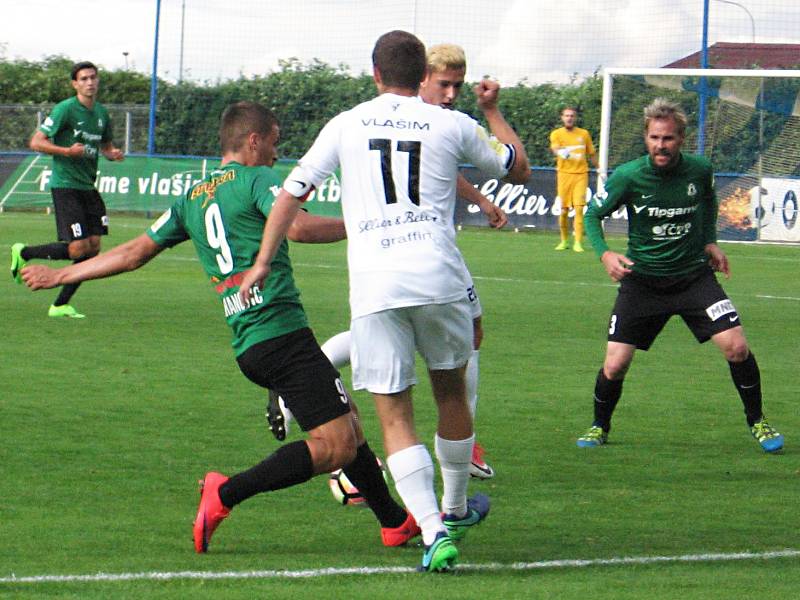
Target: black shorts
(645,304)
(294,366)
(79,214)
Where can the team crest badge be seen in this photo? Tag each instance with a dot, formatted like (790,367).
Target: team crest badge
(599,197)
(691,191)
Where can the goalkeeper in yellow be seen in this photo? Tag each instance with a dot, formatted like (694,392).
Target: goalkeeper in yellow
(572,146)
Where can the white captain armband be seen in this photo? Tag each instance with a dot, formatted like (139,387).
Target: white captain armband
(298,185)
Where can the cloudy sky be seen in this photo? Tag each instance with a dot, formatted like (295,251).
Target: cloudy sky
(539,40)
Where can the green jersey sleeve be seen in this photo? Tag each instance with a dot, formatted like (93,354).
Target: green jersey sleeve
(266,186)
(108,134)
(601,206)
(710,209)
(168,230)
(55,120)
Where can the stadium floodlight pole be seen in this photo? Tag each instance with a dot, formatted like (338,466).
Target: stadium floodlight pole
(151,129)
(760,96)
(749,14)
(183,20)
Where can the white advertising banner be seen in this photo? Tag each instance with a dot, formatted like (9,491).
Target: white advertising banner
(777,210)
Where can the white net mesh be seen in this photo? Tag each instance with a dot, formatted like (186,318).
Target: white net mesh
(750,131)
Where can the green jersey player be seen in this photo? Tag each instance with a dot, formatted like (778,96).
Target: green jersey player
(75,133)
(225,216)
(406,273)
(668,269)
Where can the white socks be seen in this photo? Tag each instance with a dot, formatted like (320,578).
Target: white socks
(454,457)
(472,382)
(412,471)
(337,349)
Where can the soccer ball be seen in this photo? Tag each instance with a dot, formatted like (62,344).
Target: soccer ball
(345,492)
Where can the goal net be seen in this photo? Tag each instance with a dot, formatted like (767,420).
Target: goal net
(747,122)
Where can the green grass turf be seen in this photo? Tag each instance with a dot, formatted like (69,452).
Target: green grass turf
(108,422)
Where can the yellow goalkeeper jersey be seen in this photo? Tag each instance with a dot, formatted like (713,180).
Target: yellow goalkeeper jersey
(579,143)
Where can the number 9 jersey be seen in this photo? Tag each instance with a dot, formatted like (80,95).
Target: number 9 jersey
(399,161)
(224,215)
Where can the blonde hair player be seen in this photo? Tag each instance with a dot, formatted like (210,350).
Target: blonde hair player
(405,270)
(668,269)
(447,68)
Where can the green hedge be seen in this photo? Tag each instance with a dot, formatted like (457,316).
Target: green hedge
(305,96)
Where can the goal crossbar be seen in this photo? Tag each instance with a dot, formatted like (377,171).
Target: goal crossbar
(608,74)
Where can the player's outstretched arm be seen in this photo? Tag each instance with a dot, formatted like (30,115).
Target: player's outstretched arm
(315,229)
(125,257)
(494,214)
(487,93)
(283,213)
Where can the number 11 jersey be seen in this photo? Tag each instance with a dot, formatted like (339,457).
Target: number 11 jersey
(399,161)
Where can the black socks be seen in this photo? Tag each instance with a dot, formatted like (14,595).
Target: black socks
(54,251)
(287,466)
(606,396)
(366,475)
(68,290)
(747,379)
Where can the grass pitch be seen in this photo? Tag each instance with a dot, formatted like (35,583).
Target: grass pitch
(108,423)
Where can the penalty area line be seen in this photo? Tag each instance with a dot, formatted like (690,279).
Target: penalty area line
(338,571)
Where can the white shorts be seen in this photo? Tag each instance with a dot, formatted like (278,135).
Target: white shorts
(384,343)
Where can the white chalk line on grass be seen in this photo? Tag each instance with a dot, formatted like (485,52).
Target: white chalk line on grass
(337,571)
(343,267)
(777,297)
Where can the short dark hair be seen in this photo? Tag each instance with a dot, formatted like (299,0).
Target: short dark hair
(79,67)
(399,57)
(571,107)
(241,119)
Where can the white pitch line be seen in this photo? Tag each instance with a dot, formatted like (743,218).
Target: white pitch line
(343,267)
(337,571)
(777,297)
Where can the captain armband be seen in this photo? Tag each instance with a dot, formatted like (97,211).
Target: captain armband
(298,185)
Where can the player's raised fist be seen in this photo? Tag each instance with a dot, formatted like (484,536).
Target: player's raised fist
(487,92)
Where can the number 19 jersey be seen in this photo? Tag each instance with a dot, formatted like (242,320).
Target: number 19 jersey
(399,161)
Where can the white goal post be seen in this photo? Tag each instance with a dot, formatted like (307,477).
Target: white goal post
(751,118)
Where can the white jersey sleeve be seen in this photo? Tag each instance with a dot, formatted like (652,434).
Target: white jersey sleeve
(318,163)
(489,155)
(399,161)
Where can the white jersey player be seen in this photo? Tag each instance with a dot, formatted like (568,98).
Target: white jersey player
(399,162)
(447,65)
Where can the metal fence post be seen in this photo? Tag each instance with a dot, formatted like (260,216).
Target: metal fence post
(127,132)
